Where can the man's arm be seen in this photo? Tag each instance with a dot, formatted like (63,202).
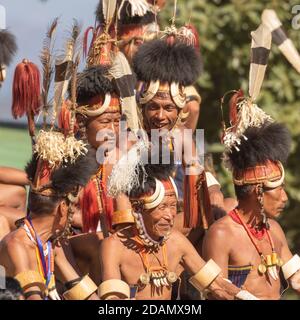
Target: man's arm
(13,176)
(78,287)
(18,265)
(206,276)
(193,107)
(216,246)
(291,264)
(112,287)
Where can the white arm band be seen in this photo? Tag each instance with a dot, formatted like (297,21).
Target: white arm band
(245,295)
(291,267)
(202,279)
(211,180)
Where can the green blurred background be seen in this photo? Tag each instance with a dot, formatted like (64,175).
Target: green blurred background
(15,147)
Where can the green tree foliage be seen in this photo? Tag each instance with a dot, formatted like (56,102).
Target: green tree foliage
(224,28)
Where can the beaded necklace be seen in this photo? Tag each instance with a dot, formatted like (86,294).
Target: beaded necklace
(45,259)
(157,276)
(270,262)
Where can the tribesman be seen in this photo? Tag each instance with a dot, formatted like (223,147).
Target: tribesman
(28,254)
(248,244)
(145,259)
(164,68)
(105,93)
(12,199)
(60,167)
(137,23)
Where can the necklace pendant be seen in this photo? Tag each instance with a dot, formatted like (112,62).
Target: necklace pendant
(145,278)
(262,269)
(172,277)
(272,272)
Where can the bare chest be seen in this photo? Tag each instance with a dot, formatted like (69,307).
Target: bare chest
(244,254)
(149,272)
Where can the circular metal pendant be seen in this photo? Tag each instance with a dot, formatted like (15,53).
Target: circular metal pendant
(262,268)
(145,278)
(172,277)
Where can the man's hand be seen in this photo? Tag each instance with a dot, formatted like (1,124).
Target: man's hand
(221,289)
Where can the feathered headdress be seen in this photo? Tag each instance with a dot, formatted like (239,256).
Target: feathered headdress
(285,45)
(52,148)
(108,80)
(167,66)
(244,112)
(255,146)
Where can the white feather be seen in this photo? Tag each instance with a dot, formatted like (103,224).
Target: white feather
(125,174)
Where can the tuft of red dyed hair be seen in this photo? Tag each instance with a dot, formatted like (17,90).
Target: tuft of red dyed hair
(26,90)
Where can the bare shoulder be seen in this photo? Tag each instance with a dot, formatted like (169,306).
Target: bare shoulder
(13,242)
(15,250)
(222,228)
(115,241)
(277,230)
(112,241)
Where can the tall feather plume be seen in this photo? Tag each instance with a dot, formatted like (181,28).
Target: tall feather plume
(64,68)
(285,45)
(126,82)
(260,49)
(46,59)
(109,10)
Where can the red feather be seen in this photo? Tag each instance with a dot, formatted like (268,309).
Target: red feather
(89,206)
(235,99)
(64,120)
(85,40)
(196,35)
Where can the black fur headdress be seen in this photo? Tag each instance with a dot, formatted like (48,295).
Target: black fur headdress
(92,82)
(8,47)
(168,62)
(271,141)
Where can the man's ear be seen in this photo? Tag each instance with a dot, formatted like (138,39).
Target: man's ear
(257,190)
(63,208)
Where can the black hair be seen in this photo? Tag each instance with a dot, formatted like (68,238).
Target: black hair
(68,177)
(65,179)
(40,204)
(159,60)
(12,291)
(217,212)
(272,141)
(157,171)
(242,192)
